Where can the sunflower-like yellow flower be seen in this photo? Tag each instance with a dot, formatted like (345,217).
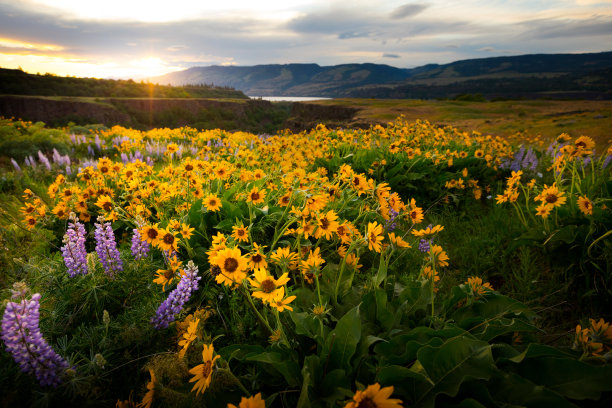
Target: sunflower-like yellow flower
(438,256)
(256,196)
(232,266)
(427,232)
(327,224)
(188,337)
(251,402)
(477,286)
(203,373)
(147,400)
(280,302)
(257,259)
(150,233)
(374,397)
(284,258)
(167,240)
(585,205)
(551,196)
(212,202)
(265,287)
(375,237)
(398,241)
(240,233)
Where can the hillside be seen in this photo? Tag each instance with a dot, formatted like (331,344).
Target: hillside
(17,82)
(555,76)
(290,79)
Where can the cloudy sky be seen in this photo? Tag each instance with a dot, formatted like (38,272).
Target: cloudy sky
(135,38)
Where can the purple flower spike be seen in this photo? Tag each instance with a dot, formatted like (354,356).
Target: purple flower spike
(23,340)
(106,247)
(140,248)
(424,245)
(75,255)
(177,298)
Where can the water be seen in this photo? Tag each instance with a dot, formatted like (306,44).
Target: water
(288,98)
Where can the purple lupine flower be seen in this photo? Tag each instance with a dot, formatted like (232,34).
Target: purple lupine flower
(177,298)
(68,171)
(424,245)
(390,224)
(16,165)
(57,158)
(106,247)
(44,160)
(90,150)
(75,255)
(23,340)
(606,162)
(140,248)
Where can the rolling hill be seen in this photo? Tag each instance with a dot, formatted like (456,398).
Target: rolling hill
(563,76)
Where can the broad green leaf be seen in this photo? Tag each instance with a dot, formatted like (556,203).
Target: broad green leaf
(341,343)
(512,389)
(450,364)
(569,377)
(281,362)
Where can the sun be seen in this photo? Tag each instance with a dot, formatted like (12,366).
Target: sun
(148,67)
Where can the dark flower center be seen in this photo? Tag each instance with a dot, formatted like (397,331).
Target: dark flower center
(230,265)
(168,274)
(207,369)
(256,258)
(254,196)
(551,198)
(268,286)
(152,233)
(367,403)
(215,270)
(107,206)
(324,223)
(169,239)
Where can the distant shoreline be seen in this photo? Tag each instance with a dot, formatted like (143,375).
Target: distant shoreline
(289,98)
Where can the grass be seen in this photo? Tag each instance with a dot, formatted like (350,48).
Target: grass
(503,118)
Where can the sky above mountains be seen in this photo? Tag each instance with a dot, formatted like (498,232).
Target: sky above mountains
(134,38)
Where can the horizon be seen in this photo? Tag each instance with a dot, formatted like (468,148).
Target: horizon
(142,39)
(146,79)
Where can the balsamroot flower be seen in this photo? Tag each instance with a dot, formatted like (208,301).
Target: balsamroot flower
(203,373)
(140,248)
(73,251)
(375,397)
(106,247)
(252,402)
(178,297)
(23,340)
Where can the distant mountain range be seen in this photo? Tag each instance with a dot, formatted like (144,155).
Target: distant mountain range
(574,76)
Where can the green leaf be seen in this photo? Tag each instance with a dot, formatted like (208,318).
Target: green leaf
(306,325)
(569,377)
(239,351)
(448,365)
(341,343)
(540,350)
(281,362)
(510,388)
(225,225)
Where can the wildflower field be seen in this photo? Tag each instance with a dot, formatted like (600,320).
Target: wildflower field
(397,266)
